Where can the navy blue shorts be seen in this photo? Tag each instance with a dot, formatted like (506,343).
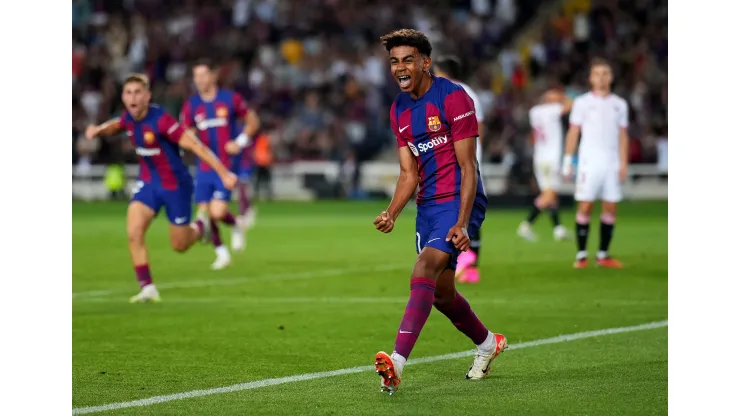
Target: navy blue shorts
(178,202)
(433,222)
(208,187)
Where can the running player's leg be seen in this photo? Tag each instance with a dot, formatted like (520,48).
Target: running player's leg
(550,193)
(141,211)
(219,210)
(429,263)
(204,190)
(247,212)
(183,233)
(588,186)
(612,194)
(457,309)
(542,174)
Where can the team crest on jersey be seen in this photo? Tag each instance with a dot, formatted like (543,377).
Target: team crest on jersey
(222,112)
(434,123)
(413,148)
(148,137)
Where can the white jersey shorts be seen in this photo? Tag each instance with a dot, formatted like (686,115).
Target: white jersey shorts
(598,183)
(547,173)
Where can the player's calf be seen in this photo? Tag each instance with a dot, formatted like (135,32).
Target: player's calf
(583,220)
(608,219)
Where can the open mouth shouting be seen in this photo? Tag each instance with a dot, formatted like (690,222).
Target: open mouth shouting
(404,81)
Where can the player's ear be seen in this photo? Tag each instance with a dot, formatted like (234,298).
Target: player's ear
(427,63)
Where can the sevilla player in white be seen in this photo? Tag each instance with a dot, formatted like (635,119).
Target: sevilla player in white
(601,118)
(547,134)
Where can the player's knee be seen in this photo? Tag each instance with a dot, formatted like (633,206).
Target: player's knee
(217,211)
(425,268)
(135,235)
(609,208)
(443,299)
(180,245)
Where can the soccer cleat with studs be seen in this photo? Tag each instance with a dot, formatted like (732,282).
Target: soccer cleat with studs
(390,379)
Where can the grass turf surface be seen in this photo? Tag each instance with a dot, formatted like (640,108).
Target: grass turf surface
(319,289)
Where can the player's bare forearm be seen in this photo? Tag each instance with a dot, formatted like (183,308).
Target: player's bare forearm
(191,143)
(110,127)
(465,153)
(405,188)
(623,147)
(408,180)
(571,140)
(252,122)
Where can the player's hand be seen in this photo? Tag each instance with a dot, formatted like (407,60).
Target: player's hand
(384,222)
(623,173)
(229,180)
(92,132)
(459,237)
(232,148)
(567,173)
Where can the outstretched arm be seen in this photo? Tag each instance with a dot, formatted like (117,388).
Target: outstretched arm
(109,128)
(186,139)
(189,142)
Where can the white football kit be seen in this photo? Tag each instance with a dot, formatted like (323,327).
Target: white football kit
(600,119)
(545,120)
(478,115)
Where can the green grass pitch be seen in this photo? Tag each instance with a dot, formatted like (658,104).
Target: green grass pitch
(318,289)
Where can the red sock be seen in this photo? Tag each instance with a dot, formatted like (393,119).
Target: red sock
(244,202)
(465,320)
(417,312)
(215,235)
(228,219)
(143,275)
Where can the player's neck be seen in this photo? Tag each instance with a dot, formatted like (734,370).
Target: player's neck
(601,93)
(426,83)
(209,95)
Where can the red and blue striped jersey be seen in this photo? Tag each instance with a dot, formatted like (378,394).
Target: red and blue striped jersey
(156,139)
(217,121)
(430,126)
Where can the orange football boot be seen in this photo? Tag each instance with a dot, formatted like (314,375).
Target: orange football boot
(390,379)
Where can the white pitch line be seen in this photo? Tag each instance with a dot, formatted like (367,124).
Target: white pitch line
(243,280)
(312,376)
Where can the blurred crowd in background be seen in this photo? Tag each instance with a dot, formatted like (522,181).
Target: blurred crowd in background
(317,75)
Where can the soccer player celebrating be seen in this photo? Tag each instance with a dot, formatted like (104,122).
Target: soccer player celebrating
(217,114)
(436,129)
(600,117)
(467,263)
(547,132)
(164,179)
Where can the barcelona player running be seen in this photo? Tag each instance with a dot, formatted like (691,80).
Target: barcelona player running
(436,129)
(164,179)
(217,115)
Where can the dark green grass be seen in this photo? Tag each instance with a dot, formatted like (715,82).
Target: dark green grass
(319,289)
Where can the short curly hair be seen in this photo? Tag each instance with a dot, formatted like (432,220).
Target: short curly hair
(407,37)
